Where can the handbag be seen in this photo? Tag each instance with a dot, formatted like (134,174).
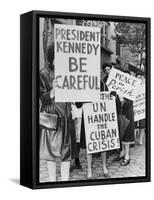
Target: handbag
(48,120)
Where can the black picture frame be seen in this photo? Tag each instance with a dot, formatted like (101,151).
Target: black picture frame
(29,91)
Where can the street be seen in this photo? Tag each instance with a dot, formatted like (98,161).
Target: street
(134,169)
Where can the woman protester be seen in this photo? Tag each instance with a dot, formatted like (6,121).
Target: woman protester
(106,68)
(128,138)
(55,140)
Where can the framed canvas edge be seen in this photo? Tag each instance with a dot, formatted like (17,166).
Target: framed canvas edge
(35,89)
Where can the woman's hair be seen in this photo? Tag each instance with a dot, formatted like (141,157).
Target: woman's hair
(127,72)
(118,67)
(139,74)
(106,65)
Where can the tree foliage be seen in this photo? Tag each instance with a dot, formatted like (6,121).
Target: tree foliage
(132,35)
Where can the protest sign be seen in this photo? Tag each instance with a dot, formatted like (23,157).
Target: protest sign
(77,63)
(101,126)
(139,104)
(123,83)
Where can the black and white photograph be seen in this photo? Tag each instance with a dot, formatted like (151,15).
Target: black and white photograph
(92,99)
(76,100)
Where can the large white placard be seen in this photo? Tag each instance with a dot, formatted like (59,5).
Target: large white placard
(101,126)
(77,63)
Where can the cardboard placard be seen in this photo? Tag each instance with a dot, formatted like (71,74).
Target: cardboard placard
(77,63)
(101,126)
(123,83)
(139,104)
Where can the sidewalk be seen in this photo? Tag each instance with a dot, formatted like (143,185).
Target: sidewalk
(134,169)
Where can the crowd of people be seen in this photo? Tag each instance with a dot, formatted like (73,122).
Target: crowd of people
(64,135)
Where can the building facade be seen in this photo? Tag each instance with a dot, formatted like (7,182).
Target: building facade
(108,45)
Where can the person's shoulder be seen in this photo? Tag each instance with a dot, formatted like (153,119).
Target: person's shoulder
(103,86)
(105,79)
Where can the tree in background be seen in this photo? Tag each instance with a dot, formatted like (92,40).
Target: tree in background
(132,35)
